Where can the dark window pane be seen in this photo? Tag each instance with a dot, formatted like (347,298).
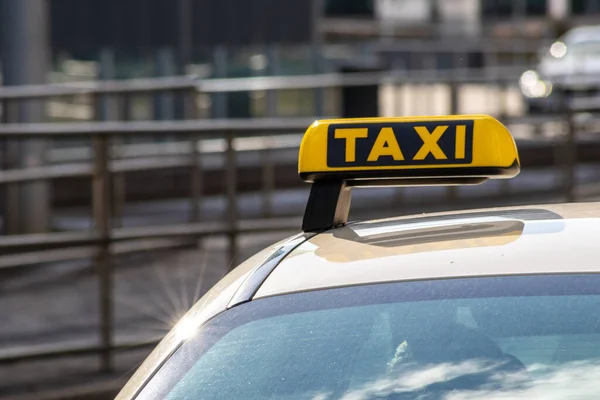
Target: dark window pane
(349,7)
(506,8)
(585,6)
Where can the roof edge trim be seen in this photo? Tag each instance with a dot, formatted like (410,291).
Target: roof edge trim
(259,274)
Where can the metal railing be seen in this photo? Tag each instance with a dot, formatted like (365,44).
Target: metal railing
(105,239)
(99,243)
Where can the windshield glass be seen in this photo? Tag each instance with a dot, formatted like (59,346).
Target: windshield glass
(587,46)
(582,41)
(518,337)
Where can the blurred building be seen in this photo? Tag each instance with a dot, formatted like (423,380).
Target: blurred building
(436,14)
(174,33)
(80,28)
(107,39)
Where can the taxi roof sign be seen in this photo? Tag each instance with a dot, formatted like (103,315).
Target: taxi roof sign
(338,154)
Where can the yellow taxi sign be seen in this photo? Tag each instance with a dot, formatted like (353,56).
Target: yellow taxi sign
(459,147)
(337,154)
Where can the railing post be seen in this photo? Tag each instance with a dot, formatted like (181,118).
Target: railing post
(119,194)
(504,105)
(317,10)
(118,183)
(108,110)
(126,112)
(4,209)
(268,167)
(570,155)
(196,177)
(451,191)
(505,184)
(397,110)
(12,150)
(25,56)
(232,209)
(219,100)
(196,183)
(268,176)
(164,101)
(101,203)
(319,93)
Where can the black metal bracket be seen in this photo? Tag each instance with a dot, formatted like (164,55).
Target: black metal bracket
(328,205)
(329,200)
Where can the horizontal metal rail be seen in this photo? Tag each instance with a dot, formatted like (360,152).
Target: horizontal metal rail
(175,148)
(241,144)
(15,242)
(449,45)
(75,251)
(82,245)
(98,87)
(335,80)
(45,173)
(349,26)
(69,349)
(463,75)
(173,158)
(218,127)
(102,390)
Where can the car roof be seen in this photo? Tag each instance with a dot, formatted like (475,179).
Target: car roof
(499,241)
(582,33)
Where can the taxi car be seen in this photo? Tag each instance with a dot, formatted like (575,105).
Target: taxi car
(500,303)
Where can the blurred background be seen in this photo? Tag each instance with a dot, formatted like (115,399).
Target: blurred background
(147,146)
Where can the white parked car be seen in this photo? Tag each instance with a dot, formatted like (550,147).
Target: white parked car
(568,69)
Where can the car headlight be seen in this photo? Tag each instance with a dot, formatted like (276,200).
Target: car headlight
(533,86)
(558,50)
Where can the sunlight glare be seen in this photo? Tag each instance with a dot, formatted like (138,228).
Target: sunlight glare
(186,328)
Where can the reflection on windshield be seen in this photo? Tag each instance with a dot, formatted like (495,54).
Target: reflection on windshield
(569,381)
(519,337)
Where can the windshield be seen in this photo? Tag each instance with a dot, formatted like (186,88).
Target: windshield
(518,337)
(577,42)
(588,46)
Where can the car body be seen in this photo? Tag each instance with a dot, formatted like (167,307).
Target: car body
(490,303)
(568,69)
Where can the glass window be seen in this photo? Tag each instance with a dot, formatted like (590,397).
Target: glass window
(506,8)
(337,8)
(536,7)
(518,337)
(585,6)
